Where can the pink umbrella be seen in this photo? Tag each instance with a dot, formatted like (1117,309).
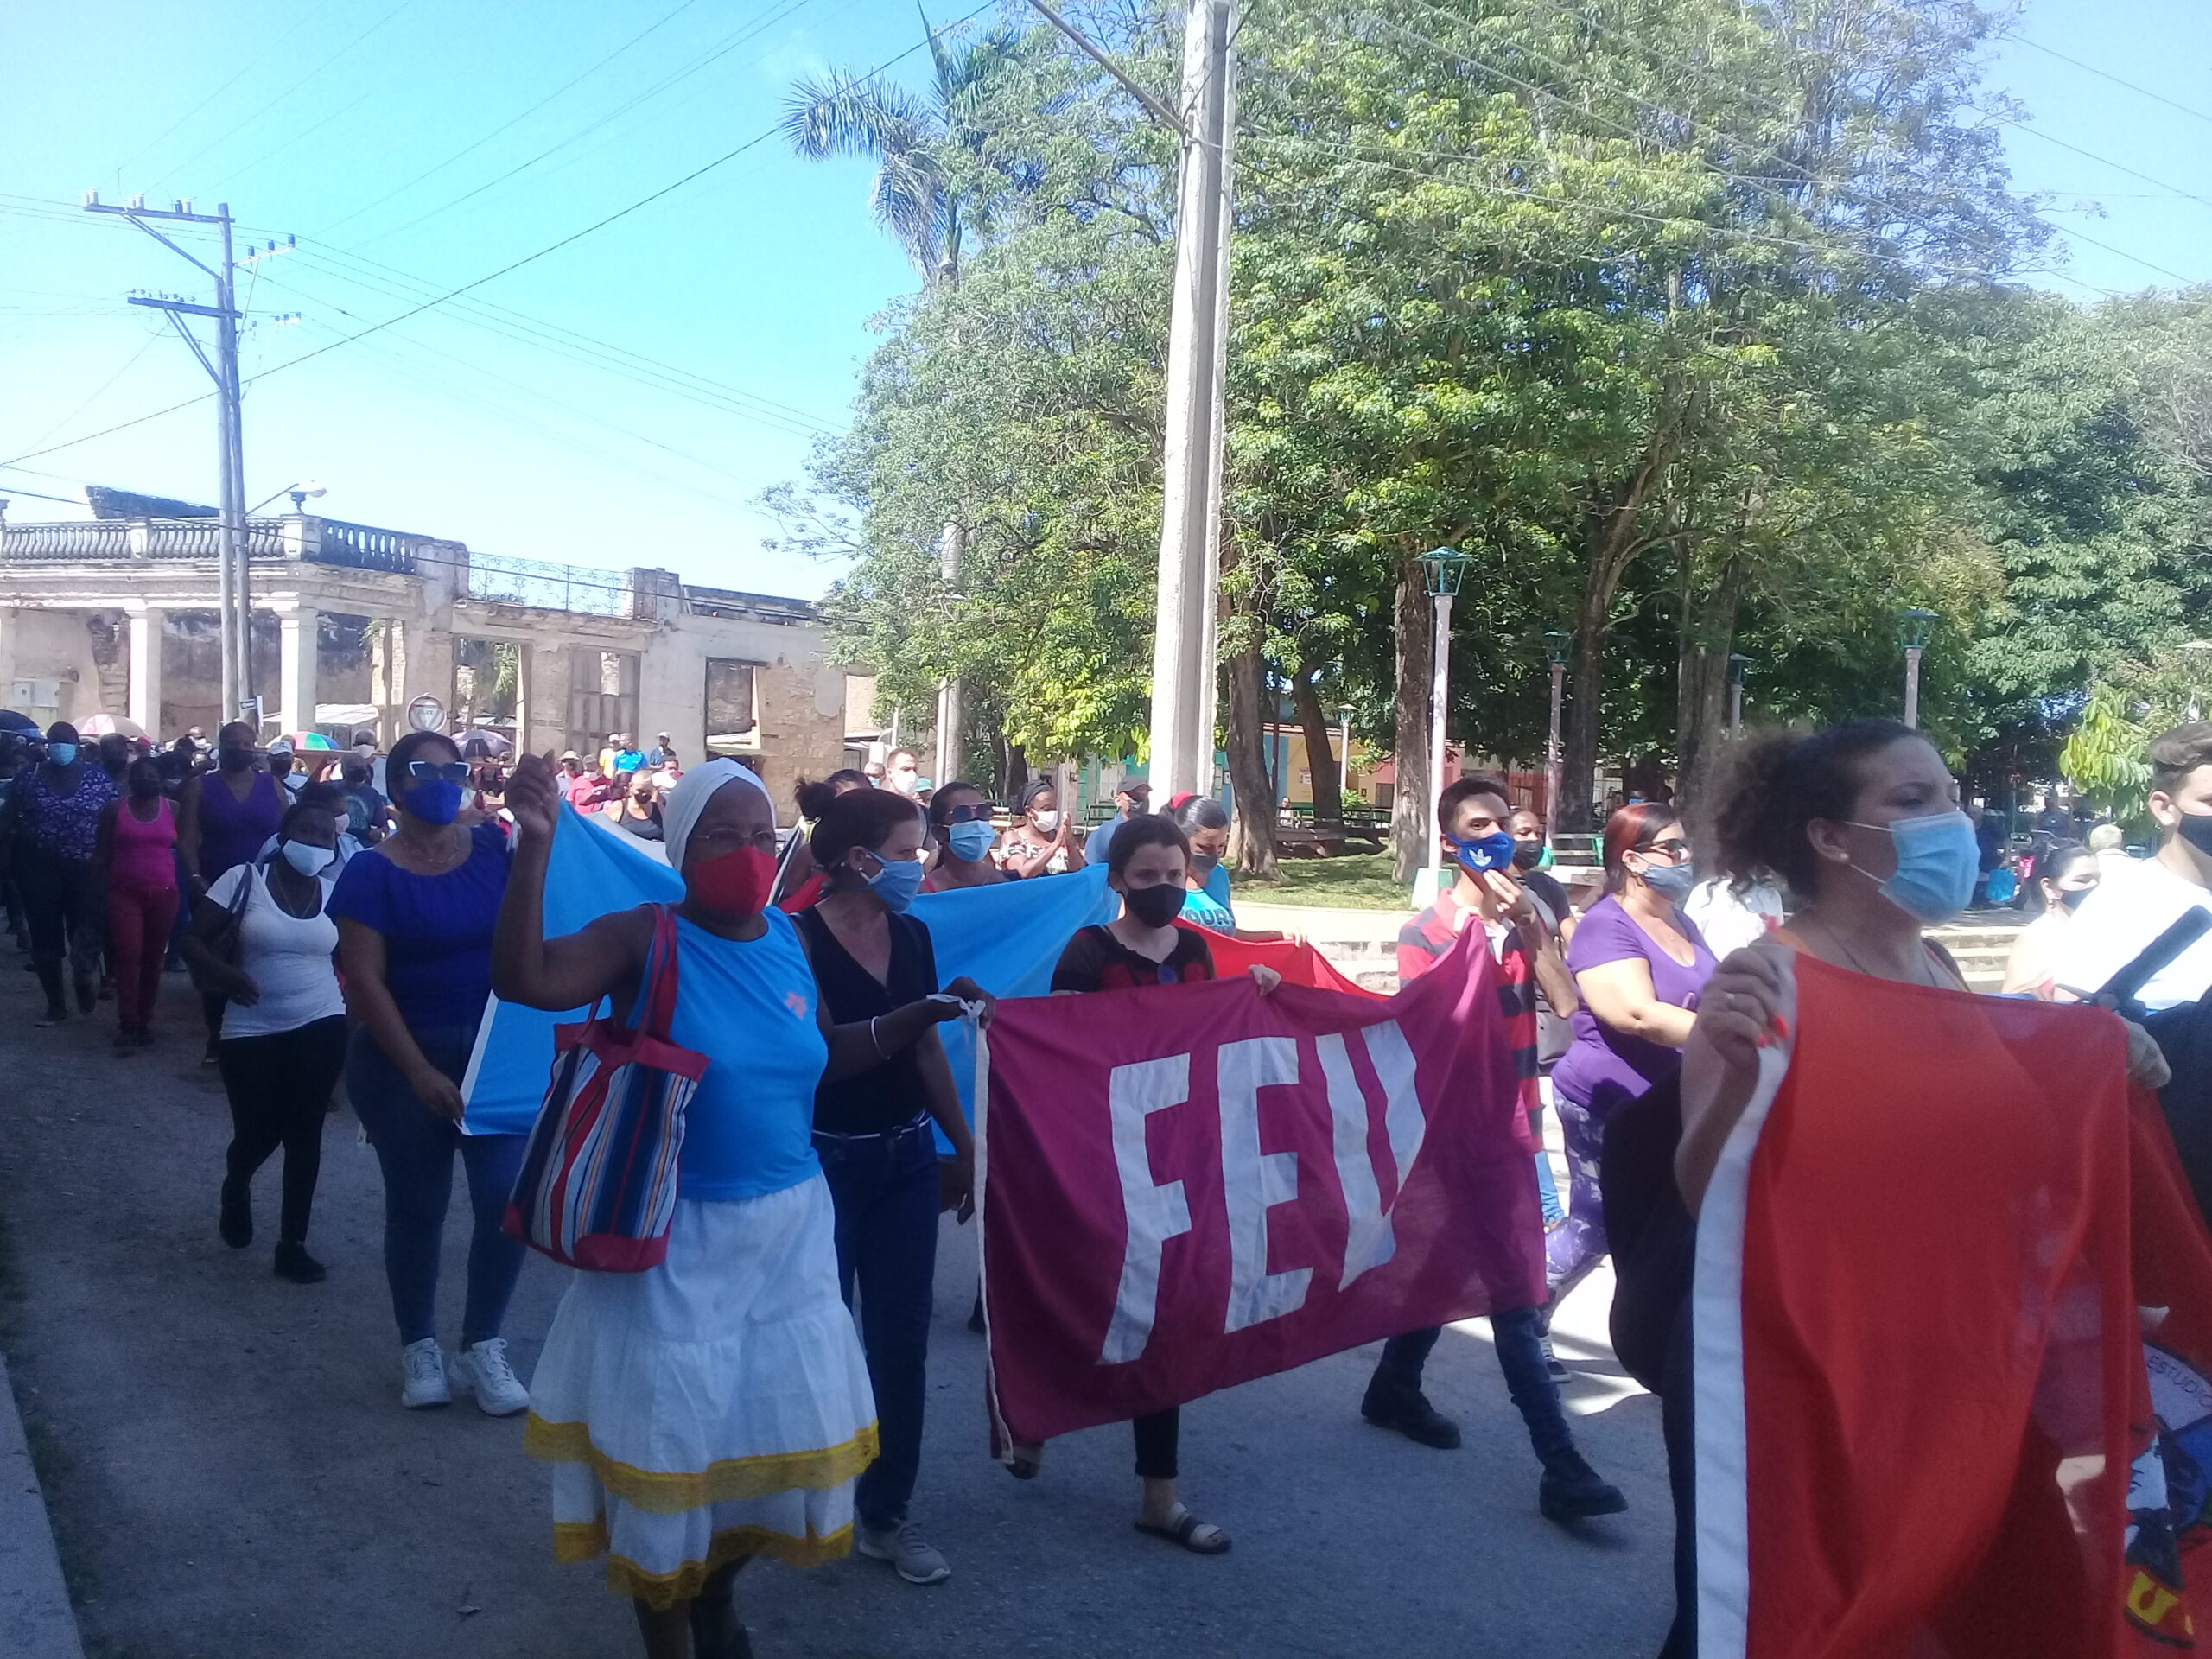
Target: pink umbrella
(104,725)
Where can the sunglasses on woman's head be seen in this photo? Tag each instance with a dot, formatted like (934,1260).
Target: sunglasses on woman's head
(426,771)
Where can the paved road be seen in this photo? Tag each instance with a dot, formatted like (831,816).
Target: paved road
(233,1478)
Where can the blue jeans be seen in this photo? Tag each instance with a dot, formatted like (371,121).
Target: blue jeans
(1518,1334)
(885,1190)
(415,1147)
(1546,1184)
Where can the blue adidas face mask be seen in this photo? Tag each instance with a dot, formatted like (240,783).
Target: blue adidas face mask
(897,883)
(1491,852)
(969,841)
(1937,861)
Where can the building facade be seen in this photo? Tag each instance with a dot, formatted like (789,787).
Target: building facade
(353,623)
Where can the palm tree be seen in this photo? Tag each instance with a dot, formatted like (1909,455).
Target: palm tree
(911,137)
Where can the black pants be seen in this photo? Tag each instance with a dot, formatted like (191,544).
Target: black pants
(1157,1434)
(279,1087)
(60,904)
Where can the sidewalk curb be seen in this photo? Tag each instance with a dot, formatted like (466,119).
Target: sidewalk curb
(35,1607)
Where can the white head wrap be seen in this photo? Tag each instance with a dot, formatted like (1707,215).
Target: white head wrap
(689,799)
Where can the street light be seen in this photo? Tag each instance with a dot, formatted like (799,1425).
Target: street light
(1737,663)
(1917,624)
(1442,569)
(1556,645)
(299,492)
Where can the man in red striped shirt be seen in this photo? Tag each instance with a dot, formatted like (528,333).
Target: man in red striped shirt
(1475,813)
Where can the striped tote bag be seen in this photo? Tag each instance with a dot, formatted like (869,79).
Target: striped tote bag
(597,1188)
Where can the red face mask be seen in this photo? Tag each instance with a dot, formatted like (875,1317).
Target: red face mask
(735,884)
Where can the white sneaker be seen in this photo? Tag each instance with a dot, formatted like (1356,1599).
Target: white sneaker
(484,1372)
(423,1374)
(917,1562)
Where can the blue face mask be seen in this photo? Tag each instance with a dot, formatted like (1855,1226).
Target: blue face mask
(1491,852)
(1937,860)
(435,802)
(61,754)
(897,883)
(969,841)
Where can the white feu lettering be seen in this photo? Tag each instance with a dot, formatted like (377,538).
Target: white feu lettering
(1368,1240)
(1156,1211)
(1253,1180)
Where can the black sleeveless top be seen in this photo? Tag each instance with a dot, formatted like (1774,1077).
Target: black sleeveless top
(892,1095)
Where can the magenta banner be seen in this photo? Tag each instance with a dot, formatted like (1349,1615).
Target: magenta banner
(1190,1186)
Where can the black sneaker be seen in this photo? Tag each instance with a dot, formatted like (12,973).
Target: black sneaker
(1407,1411)
(236,1223)
(1571,1491)
(293,1262)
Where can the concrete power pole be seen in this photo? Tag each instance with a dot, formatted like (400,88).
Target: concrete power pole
(952,547)
(232,570)
(1184,684)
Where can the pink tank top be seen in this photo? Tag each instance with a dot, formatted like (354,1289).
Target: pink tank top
(144,856)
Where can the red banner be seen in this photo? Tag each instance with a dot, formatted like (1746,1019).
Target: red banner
(1190,1186)
(1296,959)
(1926,1265)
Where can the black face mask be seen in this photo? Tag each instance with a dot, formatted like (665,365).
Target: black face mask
(145,789)
(2072,897)
(2195,829)
(1527,855)
(1156,906)
(231,760)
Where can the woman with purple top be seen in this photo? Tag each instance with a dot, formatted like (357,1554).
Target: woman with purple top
(224,819)
(1638,965)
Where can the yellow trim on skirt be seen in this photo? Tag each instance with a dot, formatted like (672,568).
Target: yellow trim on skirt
(665,1492)
(580,1540)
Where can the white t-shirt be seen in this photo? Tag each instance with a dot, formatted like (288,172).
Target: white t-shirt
(2120,918)
(287,958)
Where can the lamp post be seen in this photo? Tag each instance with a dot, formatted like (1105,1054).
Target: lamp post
(1556,645)
(1344,754)
(1916,623)
(1442,569)
(1737,663)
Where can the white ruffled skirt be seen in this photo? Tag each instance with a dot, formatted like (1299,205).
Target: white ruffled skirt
(714,1407)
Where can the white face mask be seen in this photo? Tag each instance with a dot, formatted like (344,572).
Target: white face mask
(308,860)
(1048,821)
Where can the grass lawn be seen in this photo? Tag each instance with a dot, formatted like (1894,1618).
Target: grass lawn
(1355,881)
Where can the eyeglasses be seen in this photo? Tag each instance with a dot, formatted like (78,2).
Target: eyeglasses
(1673,846)
(450,772)
(715,842)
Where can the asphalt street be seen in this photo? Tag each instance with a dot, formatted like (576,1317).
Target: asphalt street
(232,1476)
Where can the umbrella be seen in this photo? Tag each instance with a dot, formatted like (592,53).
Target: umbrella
(497,742)
(106,725)
(12,722)
(301,740)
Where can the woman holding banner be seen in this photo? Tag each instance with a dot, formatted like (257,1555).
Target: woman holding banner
(1861,822)
(715,1407)
(1148,865)
(874,1134)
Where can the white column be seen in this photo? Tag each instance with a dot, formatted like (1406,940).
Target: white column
(145,706)
(298,624)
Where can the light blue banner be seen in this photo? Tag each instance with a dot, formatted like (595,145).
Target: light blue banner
(1006,937)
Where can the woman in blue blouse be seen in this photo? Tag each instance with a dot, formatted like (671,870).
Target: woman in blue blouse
(716,1407)
(415,918)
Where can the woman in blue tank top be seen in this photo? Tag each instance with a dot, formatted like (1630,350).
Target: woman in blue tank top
(731,1373)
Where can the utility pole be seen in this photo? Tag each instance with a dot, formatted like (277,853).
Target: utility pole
(1184,687)
(233,571)
(952,546)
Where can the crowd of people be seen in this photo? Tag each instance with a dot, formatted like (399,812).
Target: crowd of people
(351,919)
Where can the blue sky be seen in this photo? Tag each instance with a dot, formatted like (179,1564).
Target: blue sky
(750,290)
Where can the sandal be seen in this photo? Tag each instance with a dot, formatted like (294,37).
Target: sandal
(1185,1530)
(1025,1462)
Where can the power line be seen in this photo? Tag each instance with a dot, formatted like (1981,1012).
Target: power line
(263,106)
(2105,75)
(730,45)
(251,64)
(696,173)
(2119,166)
(130,363)
(470,149)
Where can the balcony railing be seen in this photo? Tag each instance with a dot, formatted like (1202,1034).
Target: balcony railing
(169,540)
(497,578)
